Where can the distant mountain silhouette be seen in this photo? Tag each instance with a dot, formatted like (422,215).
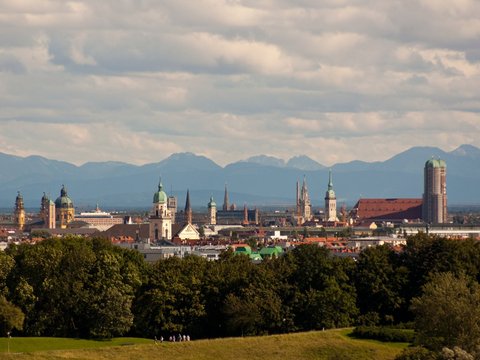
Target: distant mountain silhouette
(303,162)
(266,160)
(257,181)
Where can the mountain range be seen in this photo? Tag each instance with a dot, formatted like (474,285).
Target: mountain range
(257,181)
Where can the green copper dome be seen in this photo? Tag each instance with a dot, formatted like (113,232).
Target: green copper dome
(160,196)
(63,201)
(211,203)
(436,163)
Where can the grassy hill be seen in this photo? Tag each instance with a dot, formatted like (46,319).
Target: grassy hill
(332,344)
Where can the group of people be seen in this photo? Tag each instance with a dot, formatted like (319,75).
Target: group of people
(174,338)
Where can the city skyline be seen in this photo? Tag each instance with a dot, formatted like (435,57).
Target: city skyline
(337,81)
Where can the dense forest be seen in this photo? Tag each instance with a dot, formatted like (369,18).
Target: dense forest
(91,289)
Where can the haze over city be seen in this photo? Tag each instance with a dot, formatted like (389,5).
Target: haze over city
(336,80)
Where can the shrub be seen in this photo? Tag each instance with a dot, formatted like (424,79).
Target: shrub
(383,334)
(416,353)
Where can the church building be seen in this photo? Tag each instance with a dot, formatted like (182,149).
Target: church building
(64,209)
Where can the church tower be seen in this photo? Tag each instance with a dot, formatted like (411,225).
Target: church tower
(19,213)
(298,210)
(47,212)
(434,206)
(330,201)
(160,216)
(212,211)
(305,205)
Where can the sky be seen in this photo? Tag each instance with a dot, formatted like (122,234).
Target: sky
(336,80)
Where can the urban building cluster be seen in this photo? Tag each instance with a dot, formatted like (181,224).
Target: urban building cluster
(165,231)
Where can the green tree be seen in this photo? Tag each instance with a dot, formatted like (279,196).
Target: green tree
(108,300)
(380,279)
(321,292)
(11,317)
(201,232)
(75,287)
(332,307)
(6,265)
(448,313)
(255,310)
(425,255)
(172,300)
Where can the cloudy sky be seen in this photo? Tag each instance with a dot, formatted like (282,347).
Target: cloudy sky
(337,80)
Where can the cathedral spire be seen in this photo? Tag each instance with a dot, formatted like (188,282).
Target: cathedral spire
(304,193)
(188,208)
(225,199)
(330,182)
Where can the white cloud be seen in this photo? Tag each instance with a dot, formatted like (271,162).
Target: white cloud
(229,79)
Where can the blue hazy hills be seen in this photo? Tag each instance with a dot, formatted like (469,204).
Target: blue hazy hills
(258,181)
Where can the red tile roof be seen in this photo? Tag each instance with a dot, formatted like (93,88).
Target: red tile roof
(389,209)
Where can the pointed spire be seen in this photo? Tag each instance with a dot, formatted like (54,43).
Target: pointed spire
(330,182)
(225,199)
(188,208)
(304,192)
(298,193)
(187,201)
(160,185)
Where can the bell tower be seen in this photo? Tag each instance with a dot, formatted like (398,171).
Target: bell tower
(19,213)
(330,201)
(160,216)
(212,211)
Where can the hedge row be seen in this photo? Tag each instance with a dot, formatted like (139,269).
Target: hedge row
(383,334)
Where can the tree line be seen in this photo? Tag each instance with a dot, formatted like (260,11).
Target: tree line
(89,288)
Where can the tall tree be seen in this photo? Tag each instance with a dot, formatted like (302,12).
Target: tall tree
(75,287)
(447,314)
(172,301)
(11,317)
(322,293)
(380,278)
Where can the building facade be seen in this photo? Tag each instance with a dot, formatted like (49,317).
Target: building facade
(434,209)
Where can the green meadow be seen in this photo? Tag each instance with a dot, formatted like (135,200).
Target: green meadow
(332,344)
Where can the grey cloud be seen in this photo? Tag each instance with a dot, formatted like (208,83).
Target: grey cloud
(182,74)
(9,63)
